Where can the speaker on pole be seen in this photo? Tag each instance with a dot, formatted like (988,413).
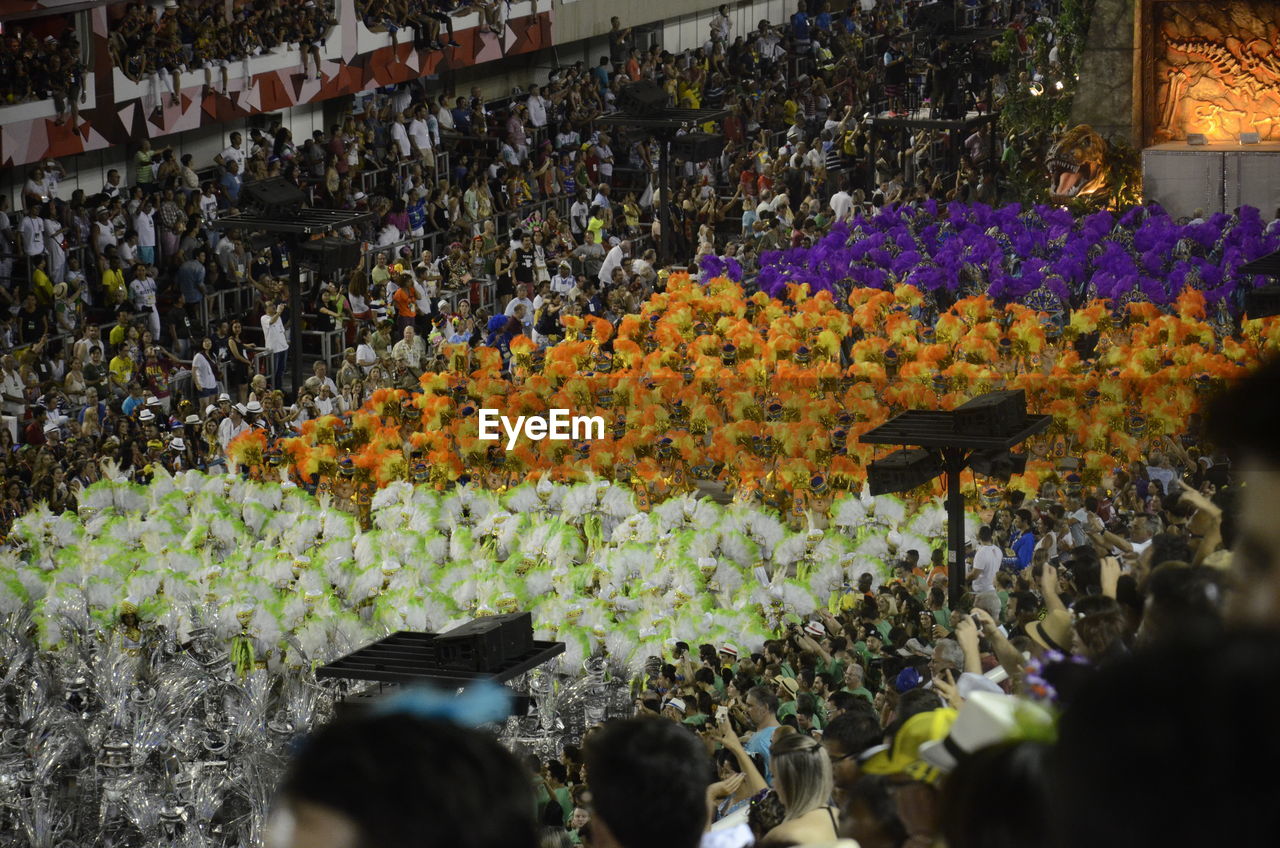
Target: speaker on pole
(697,146)
(275,195)
(642,99)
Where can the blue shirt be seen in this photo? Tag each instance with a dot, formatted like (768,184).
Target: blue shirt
(231,187)
(601,74)
(1023,547)
(462,119)
(417,211)
(190,277)
(760,743)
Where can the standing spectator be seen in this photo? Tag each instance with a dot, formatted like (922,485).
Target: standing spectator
(276,340)
(143,160)
(31,233)
(233,152)
(762,710)
(231,183)
(190,279)
(619,41)
(986,563)
(143,292)
(202,373)
(144,224)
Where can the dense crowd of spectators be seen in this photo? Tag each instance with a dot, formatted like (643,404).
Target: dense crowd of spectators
(490,219)
(43,68)
(425,18)
(161,44)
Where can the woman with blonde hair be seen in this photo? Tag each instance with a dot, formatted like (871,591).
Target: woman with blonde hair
(802,779)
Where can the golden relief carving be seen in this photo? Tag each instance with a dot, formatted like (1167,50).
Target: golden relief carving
(1217,70)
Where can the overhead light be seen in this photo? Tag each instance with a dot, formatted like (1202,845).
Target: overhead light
(1058,85)
(1036,89)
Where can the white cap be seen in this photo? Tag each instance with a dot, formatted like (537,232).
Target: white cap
(146,415)
(177,445)
(253,407)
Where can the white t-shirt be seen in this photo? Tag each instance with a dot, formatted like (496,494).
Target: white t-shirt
(605,154)
(32,231)
(986,562)
(209,206)
(401,137)
(842,205)
(276,339)
(145,225)
(578,214)
(144,293)
(234,154)
(227,431)
(537,107)
(420,133)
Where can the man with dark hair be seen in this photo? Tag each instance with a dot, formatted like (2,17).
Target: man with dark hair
(400,780)
(762,709)
(847,737)
(648,780)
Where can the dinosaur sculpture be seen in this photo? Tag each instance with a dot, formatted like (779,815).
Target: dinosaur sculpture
(1078,164)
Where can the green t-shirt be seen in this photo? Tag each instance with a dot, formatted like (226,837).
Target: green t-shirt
(861,692)
(566,802)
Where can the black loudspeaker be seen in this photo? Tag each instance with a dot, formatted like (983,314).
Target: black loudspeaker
(935,18)
(486,644)
(642,99)
(697,146)
(276,196)
(1262,302)
(330,254)
(992,414)
(902,471)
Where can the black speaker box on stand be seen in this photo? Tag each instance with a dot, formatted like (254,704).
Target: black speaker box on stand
(277,196)
(329,254)
(643,99)
(485,644)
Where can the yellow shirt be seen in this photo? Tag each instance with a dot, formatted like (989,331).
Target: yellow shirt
(121,369)
(113,282)
(117,334)
(43,287)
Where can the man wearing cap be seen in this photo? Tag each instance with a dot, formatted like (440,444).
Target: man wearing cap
(563,281)
(787,690)
(231,426)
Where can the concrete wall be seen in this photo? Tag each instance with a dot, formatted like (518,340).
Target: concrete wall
(1104,96)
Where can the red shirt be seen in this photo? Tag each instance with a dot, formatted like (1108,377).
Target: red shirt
(33,434)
